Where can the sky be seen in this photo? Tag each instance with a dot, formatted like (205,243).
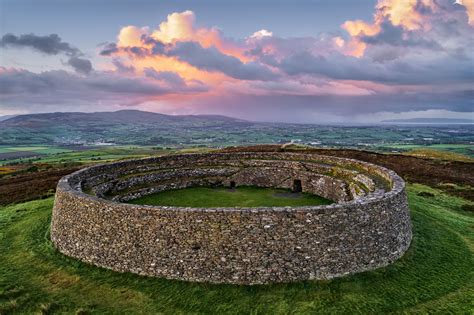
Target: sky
(304,61)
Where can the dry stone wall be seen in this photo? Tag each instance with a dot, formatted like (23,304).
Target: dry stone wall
(367,227)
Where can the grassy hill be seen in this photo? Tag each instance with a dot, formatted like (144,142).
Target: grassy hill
(125,126)
(434,276)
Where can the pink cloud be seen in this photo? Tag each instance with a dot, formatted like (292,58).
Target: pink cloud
(410,47)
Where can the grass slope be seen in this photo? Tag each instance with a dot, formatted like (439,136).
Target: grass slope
(95,155)
(448,152)
(435,275)
(224,197)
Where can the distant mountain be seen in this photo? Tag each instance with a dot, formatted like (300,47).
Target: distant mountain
(6,117)
(120,127)
(433,121)
(122,116)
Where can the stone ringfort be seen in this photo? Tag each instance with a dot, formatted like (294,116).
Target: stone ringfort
(367,226)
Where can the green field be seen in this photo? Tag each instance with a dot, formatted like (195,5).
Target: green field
(460,148)
(55,154)
(91,155)
(434,276)
(35,149)
(101,154)
(224,197)
(464,149)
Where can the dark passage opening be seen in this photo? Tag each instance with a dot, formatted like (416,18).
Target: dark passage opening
(232,185)
(297,186)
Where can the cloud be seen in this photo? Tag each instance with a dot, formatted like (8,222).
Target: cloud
(404,72)
(130,36)
(48,83)
(109,49)
(181,26)
(408,23)
(122,68)
(211,59)
(28,89)
(175,81)
(167,76)
(422,42)
(262,33)
(413,55)
(178,26)
(51,45)
(469,6)
(193,53)
(80,65)
(342,108)
(123,85)
(392,35)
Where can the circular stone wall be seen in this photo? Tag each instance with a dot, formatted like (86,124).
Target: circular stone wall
(367,227)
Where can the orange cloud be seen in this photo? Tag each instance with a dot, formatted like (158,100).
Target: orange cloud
(355,47)
(469,5)
(339,41)
(403,13)
(188,72)
(130,36)
(180,26)
(359,27)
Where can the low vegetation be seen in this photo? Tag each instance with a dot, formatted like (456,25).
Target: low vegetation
(461,152)
(79,154)
(445,155)
(225,197)
(434,276)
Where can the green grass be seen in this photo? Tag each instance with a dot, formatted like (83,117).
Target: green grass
(462,152)
(434,276)
(446,146)
(224,197)
(104,154)
(95,155)
(35,149)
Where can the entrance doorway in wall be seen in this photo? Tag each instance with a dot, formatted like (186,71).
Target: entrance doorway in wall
(232,185)
(297,186)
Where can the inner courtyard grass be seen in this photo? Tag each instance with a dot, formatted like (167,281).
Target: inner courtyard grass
(435,276)
(244,196)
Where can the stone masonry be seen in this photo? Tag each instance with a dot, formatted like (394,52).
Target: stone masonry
(367,227)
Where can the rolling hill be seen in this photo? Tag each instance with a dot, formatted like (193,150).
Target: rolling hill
(123,116)
(133,127)
(124,127)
